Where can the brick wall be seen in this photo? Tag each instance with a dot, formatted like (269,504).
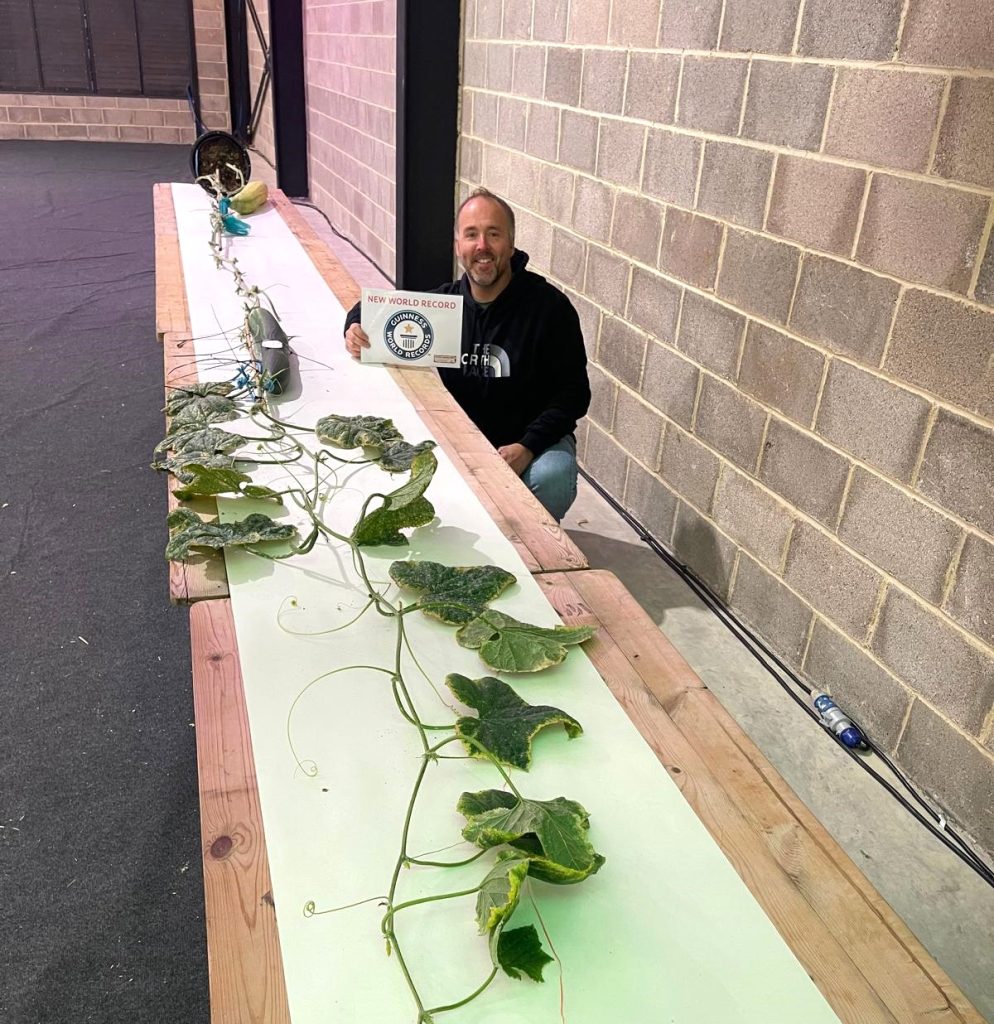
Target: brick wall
(129,119)
(774,217)
(264,142)
(350,57)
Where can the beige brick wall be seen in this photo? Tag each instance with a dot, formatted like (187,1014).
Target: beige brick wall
(350,58)
(264,142)
(130,119)
(774,217)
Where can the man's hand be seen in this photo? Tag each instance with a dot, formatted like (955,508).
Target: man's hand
(517,456)
(355,340)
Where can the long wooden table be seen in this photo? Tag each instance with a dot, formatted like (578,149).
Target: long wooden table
(863,958)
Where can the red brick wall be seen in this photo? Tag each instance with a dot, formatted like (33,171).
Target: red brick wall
(349,53)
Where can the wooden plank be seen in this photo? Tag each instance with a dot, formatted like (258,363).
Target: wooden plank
(172,314)
(739,747)
(244,961)
(894,967)
(850,995)
(878,947)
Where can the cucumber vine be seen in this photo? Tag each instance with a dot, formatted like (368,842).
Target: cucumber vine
(527,842)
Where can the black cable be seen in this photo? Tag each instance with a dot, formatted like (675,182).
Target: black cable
(335,231)
(935,822)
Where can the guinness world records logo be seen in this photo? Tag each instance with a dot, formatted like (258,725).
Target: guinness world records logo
(408,335)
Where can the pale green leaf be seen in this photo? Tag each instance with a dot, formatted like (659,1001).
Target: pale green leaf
(207,480)
(209,440)
(180,465)
(518,951)
(185,409)
(454,594)
(200,389)
(553,833)
(397,456)
(500,891)
(508,645)
(506,724)
(188,530)
(404,507)
(356,431)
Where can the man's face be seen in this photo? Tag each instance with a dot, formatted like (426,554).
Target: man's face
(483,246)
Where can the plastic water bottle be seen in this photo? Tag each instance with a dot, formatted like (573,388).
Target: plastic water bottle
(836,721)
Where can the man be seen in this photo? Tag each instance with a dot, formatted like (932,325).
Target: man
(523,379)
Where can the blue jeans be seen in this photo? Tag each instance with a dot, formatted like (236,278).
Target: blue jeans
(552,477)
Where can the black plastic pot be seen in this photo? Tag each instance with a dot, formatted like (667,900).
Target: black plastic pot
(221,152)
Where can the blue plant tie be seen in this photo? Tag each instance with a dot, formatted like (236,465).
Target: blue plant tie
(234,225)
(224,204)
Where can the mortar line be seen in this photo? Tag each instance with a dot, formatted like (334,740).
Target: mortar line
(782,567)
(985,237)
(797,286)
(679,318)
(862,213)
(679,90)
(721,24)
(734,575)
(845,497)
(933,149)
(806,651)
(933,415)
(624,89)
(769,190)
(900,30)
(700,174)
(659,29)
(821,392)
(828,111)
(890,330)
(904,720)
(721,256)
(745,98)
(742,346)
(697,403)
(762,451)
(952,570)
(871,629)
(970,187)
(797,28)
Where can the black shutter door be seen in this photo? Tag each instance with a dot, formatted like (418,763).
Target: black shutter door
(18,52)
(115,52)
(62,46)
(166,45)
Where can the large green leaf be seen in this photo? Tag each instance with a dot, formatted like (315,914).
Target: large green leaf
(500,891)
(356,431)
(506,724)
(397,456)
(182,466)
(207,480)
(508,645)
(401,508)
(452,593)
(200,389)
(188,530)
(197,438)
(184,408)
(553,833)
(519,951)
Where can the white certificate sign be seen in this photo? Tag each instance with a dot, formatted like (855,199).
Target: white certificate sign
(412,328)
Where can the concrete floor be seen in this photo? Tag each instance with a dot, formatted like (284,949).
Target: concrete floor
(944,903)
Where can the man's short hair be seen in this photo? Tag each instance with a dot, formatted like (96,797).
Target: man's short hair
(485,193)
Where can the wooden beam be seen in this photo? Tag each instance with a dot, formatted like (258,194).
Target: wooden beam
(243,949)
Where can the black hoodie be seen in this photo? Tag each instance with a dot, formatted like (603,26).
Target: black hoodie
(524,369)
